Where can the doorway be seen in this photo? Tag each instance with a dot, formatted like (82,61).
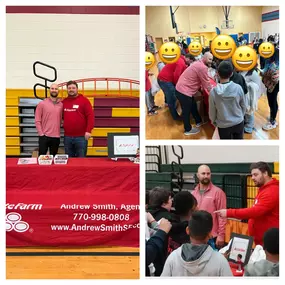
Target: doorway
(158,43)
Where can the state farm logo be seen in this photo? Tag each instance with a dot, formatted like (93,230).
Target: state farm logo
(23,206)
(14,222)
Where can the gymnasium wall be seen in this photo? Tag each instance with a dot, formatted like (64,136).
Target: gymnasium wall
(226,154)
(80,42)
(270,21)
(204,19)
(267,9)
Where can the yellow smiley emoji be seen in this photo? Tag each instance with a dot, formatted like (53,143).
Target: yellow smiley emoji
(266,50)
(195,48)
(223,46)
(244,58)
(169,52)
(149,60)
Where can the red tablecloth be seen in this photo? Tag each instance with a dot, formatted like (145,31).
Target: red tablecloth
(234,268)
(206,95)
(89,201)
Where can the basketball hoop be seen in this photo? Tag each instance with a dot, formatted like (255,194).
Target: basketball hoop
(227,24)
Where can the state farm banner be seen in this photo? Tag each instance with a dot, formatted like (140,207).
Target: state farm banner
(88,201)
(73,219)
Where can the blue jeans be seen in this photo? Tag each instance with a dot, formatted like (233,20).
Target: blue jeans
(248,123)
(75,146)
(168,89)
(149,100)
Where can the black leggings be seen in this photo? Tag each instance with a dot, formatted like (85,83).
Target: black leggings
(272,102)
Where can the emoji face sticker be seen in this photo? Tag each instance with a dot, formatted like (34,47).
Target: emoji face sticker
(195,48)
(169,52)
(223,46)
(266,50)
(244,58)
(149,60)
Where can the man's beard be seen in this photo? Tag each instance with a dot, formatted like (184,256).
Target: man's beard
(259,184)
(53,94)
(72,94)
(205,181)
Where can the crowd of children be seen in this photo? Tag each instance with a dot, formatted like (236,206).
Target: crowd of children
(232,107)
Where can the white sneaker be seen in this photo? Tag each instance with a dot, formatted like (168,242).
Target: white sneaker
(193,131)
(268,119)
(269,126)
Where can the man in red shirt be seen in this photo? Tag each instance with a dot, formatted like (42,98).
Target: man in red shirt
(167,79)
(47,119)
(211,198)
(264,214)
(78,121)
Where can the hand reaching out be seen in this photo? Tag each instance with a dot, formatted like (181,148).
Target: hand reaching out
(222,213)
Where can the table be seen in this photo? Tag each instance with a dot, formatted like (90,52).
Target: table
(88,202)
(206,95)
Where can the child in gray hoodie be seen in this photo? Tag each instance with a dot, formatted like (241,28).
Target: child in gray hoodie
(197,258)
(270,265)
(227,104)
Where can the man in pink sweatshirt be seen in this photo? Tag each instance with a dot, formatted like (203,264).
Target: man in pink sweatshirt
(211,198)
(47,119)
(78,121)
(191,80)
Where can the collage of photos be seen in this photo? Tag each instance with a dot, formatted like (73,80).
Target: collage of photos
(96,188)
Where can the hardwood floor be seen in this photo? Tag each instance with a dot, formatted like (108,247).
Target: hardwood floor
(73,267)
(162,126)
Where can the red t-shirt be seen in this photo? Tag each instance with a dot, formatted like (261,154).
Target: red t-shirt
(78,116)
(172,71)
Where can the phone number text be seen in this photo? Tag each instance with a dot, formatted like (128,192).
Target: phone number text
(101,217)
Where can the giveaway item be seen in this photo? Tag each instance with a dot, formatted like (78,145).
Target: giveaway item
(60,159)
(30,160)
(45,159)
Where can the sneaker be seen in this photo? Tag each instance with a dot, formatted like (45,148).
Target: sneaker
(152,112)
(246,131)
(201,124)
(269,120)
(156,107)
(269,126)
(193,131)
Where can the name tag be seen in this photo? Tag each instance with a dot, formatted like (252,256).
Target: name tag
(75,106)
